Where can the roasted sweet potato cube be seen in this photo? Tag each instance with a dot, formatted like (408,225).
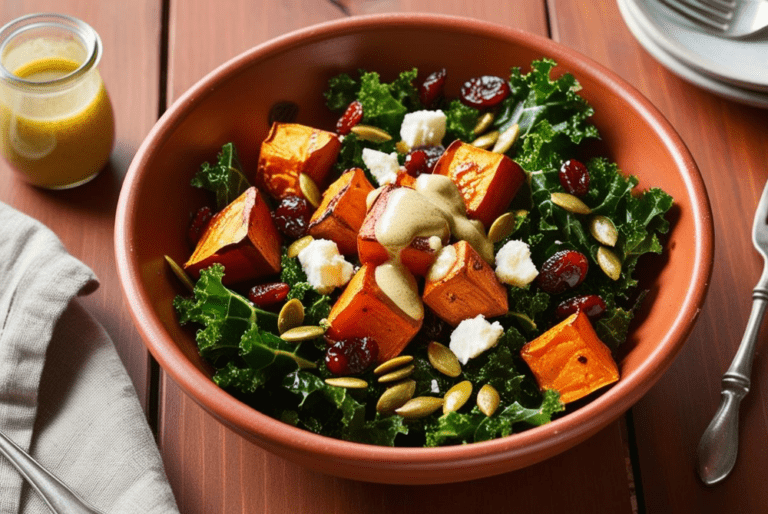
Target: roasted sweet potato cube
(364,310)
(342,211)
(571,359)
(417,257)
(242,237)
(487,181)
(291,149)
(469,288)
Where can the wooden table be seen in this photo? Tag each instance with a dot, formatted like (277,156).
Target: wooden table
(156,49)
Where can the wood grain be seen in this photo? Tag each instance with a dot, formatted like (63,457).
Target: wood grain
(211,469)
(727,141)
(84,217)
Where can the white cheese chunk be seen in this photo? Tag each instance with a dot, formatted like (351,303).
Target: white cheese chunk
(514,265)
(445,260)
(383,166)
(474,336)
(325,267)
(423,128)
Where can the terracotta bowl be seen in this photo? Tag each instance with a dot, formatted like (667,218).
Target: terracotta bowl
(232,104)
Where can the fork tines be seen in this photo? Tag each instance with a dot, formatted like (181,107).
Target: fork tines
(716,14)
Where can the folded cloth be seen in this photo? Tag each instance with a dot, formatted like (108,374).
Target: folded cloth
(65,396)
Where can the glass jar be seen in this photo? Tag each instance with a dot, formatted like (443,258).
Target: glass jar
(56,123)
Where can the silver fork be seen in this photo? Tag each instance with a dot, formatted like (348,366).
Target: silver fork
(59,498)
(719,445)
(732,19)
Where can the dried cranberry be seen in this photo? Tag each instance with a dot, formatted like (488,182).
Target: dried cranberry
(564,270)
(591,305)
(351,356)
(292,216)
(416,162)
(484,92)
(351,117)
(199,224)
(432,153)
(432,88)
(263,295)
(574,177)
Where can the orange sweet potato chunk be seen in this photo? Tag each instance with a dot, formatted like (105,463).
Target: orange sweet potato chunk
(487,181)
(469,288)
(571,359)
(242,237)
(417,257)
(342,211)
(291,149)
(364,310)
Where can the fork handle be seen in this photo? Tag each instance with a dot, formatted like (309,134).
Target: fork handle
(59,498)
(716,454)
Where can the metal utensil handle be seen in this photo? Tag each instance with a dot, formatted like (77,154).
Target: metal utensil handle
(59,498)
(719,445)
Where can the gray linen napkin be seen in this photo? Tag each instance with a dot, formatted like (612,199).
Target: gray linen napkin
(64,392)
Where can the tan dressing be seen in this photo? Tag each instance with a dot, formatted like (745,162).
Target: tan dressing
(441,192)
(435,210)
(409,215)
(400,286)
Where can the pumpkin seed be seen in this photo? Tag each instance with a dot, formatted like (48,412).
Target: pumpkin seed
(291,315)
(303,333)
(609,262)
(298,245)
(392,364)
(457,396)
(347,382)
(309,190)
(502,227)
(602,228)
(488,400)
(483,123)
(419,407)
(402,147)
(370,133)
(570,203)
(486,140)
(396,396)
(524,319)
(180,274)
(396,375)
(506,139)
(443,359)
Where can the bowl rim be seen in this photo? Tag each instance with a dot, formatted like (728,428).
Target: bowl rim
(270,432)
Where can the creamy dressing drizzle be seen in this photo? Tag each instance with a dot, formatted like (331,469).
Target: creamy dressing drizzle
(443,193)
(435,210)
(400,286)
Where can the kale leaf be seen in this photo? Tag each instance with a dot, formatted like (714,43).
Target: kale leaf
(225,178)
(474,426)
(316,306)
(460,122)
(342,91)
(550,113)
(236,329)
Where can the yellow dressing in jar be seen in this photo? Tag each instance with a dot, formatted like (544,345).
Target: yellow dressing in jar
(56,120)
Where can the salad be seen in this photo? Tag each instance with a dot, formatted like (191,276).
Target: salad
(430,271)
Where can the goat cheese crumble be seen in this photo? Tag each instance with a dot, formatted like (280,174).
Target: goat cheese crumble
(383,166)
(514,265)
(423,128)
(474,336)
(325,267)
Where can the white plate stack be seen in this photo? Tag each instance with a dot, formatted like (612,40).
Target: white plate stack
(733,69)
